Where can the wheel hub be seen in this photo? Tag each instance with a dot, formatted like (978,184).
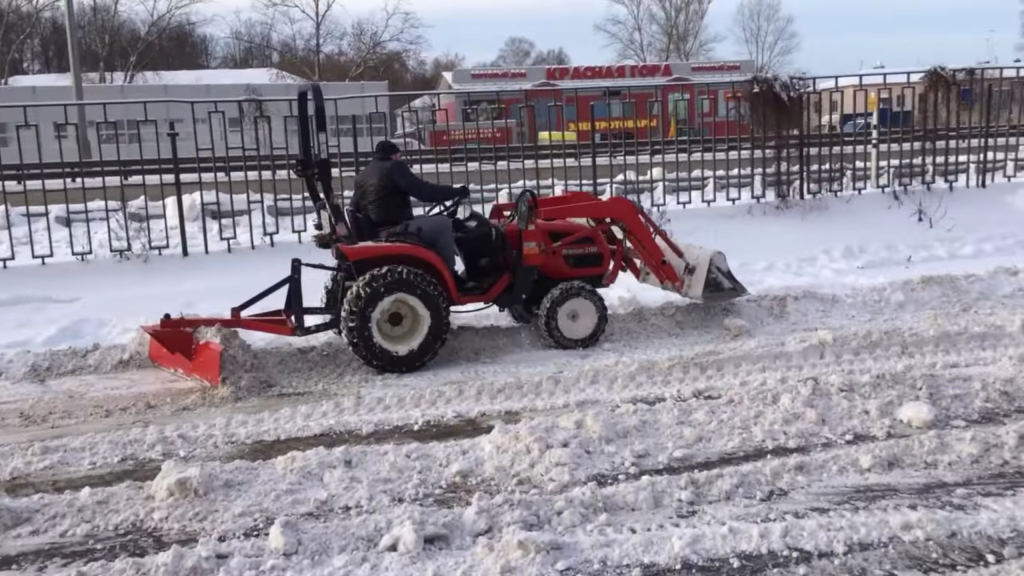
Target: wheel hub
(400,323)
(577,318)
(395,319)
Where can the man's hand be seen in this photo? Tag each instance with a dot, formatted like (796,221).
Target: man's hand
(463,192)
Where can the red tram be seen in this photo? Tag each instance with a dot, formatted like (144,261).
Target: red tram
(543,104)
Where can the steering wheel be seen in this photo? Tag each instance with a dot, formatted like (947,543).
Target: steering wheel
(449,209)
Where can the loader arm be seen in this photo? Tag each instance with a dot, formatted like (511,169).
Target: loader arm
(650,254)
(638,230)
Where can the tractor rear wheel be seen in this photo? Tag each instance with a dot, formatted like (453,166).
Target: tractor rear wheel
(572,316)
(396,319)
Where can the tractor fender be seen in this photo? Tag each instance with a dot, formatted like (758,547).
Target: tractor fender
(371,255)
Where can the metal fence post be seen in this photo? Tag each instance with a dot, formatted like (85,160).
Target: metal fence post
(985,131)
(873,155)
(172,133)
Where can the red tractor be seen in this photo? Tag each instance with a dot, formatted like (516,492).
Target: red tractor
(541,259)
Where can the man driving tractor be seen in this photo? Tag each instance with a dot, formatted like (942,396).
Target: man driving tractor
(384,192)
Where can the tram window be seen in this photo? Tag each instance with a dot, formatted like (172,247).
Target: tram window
(620,109)
(483,111)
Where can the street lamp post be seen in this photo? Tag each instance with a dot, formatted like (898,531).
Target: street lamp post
(84,149)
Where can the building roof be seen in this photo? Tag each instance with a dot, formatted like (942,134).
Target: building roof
(215,76)
(901,76)
(539,77)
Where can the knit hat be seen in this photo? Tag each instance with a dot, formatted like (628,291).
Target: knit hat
(385,149)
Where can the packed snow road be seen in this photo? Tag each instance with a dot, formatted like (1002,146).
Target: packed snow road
(809,434)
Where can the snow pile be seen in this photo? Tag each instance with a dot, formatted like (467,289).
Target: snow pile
(12,515)
(283,539)
(917,414)
(191,204)
(244,373)
(410,537)
(177,480)
(61,362)
(551,452)
(736,327)
(477,518)
(9,218)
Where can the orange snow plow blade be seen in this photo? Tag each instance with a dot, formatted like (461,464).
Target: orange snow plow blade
(176,350)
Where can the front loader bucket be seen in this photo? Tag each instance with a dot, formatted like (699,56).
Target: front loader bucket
(176,350)
(705,273)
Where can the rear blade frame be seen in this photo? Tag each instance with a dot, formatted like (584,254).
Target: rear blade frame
(290,320)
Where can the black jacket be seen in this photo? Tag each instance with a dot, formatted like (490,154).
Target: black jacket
(384,190)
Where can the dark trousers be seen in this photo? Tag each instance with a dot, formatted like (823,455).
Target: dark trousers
(436,232)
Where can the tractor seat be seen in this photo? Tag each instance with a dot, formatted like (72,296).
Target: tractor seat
(362,228)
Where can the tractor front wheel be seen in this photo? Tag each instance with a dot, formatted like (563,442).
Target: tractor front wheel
(396,319)
(572,316)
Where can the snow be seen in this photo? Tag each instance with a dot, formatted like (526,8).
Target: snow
(859,411)
(177,481)
(284,537)
(917,414)
(818,244)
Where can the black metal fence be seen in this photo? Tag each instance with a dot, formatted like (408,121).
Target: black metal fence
(188,176)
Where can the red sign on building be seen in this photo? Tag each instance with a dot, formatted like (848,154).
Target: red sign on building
(480,135)
(558,73)
(497,74)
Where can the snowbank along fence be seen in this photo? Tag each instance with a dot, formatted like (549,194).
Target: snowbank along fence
(188,176)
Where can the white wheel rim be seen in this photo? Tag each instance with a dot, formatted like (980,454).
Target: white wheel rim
(400,323)
(577,318)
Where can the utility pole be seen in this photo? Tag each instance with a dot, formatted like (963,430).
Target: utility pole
(84,149)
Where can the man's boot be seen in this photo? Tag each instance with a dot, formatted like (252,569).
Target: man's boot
(464,285)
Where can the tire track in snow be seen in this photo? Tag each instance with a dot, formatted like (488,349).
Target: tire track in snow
(920,536)
(139,541)
(676,377)
(146,471)
(995,418)
(894,556)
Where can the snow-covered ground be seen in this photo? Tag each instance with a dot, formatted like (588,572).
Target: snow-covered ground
(860,412)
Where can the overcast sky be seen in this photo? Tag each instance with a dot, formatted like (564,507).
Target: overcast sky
(837,36)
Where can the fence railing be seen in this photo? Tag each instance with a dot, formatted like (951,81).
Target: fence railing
(188,176)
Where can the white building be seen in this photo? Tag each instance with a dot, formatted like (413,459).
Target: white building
(215,113)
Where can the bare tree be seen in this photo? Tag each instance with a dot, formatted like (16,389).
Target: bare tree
(308,25)
(156,19)
(766,33)
(19,21)
(518,51)
(658,30)
(551,57)
(123,35)
(249,43)
(396,31)
(515,52)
